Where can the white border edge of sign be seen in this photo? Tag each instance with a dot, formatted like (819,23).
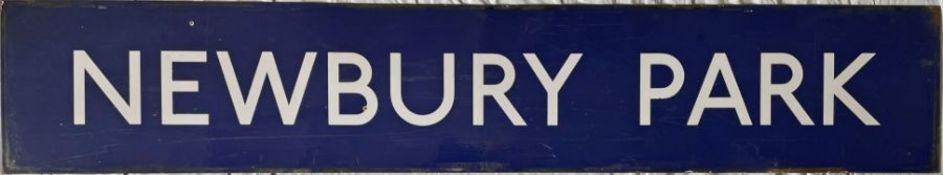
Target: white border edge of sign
(2,137)
(605,2)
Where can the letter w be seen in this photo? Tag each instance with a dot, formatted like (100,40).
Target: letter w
(245,106)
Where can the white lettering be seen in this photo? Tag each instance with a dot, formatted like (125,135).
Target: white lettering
(646,92)
(360,86)
(552,85)
(169,86)
(130,109)
(448,92)
(719,65)
(266,69)
(480,89)
(832,87)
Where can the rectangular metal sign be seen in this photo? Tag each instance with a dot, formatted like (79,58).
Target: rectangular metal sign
(235,87)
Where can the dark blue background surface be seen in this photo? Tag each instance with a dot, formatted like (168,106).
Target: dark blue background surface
(598,128)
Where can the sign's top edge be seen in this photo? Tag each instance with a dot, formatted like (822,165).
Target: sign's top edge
(601,2)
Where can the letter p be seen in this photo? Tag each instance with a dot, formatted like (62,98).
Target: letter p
(647,93)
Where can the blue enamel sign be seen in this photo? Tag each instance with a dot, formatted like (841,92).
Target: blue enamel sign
(296,87)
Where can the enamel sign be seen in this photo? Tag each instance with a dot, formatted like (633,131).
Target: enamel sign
(304,87)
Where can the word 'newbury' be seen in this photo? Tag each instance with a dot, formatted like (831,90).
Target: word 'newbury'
(288,105)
